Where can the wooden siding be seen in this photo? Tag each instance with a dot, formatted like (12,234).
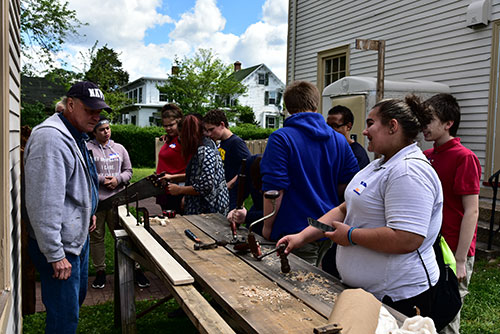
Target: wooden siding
(426,40)
(10,257)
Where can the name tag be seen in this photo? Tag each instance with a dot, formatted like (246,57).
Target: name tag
(359,189)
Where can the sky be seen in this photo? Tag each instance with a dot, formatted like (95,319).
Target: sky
(150,34)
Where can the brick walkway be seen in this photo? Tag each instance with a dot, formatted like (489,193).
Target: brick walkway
(157,290)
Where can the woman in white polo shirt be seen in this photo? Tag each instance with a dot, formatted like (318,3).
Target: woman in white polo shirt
(392,208)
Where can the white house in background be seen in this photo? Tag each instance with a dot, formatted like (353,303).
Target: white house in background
(264,94)
(147,102)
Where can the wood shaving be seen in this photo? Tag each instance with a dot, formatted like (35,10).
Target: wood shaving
(258,294)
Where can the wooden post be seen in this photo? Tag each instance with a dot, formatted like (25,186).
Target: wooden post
(376,45)
(124,281)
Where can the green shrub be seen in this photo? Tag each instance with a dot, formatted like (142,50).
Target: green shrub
(251,131)
(139,142)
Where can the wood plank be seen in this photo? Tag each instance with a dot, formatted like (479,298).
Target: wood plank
(166,263)
(313,286)
(255,303)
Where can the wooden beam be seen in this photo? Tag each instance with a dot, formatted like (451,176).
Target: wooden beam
(161,258)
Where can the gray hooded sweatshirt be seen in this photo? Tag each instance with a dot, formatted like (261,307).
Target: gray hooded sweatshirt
(58,190)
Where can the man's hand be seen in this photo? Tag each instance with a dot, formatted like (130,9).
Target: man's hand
(62,269)
(93,221)
(110,182)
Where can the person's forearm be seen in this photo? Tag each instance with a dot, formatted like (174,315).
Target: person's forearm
(268,208)
(336,214)
(231,182)
(177,177)
(189,190)
(468,226)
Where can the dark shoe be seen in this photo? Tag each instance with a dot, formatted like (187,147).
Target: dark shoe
(141,280)
(177,313)
(100,280)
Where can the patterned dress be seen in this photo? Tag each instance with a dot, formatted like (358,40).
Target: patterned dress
(205,173)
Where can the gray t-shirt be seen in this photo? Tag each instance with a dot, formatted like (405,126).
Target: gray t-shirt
(403,194)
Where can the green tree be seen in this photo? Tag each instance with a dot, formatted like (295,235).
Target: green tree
(106,71)
(45,27)
(201,82)
(33,114)
(63,77)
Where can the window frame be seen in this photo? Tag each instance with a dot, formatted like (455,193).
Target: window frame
(326,54)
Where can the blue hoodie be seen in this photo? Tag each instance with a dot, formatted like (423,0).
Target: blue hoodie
(308,160)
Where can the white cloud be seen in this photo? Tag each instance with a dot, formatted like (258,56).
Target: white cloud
(123,24)
(199,24)
(118,23)
(275,12)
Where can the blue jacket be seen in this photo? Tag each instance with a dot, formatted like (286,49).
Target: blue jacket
(58,190)
(308,160)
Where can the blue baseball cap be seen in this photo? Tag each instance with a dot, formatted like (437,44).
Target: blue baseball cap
(90,94)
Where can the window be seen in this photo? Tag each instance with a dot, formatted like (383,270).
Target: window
(262,78)
(334,69)
(163,97)
(133,119)
(271,122)
(140,95)
(272,98)
(135,95)
(332,66)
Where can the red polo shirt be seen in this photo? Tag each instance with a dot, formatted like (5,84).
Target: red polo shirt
(459,170)
(170,159)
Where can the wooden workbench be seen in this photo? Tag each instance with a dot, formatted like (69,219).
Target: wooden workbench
(255,294)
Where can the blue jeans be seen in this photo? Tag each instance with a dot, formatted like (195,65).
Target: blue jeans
(62,298)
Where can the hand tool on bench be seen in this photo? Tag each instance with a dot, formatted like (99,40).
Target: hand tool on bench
(285,266)
(199,245)
(252,244)
(241,195)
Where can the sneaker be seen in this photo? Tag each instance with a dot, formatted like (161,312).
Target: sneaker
(141,280)
(100,280)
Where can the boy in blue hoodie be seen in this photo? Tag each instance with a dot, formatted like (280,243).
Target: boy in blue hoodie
(310,164)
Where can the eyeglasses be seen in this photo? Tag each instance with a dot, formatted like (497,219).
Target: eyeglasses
(337,126)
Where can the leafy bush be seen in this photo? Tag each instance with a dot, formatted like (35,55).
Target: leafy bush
(139,142)
(33,114)
(251,131)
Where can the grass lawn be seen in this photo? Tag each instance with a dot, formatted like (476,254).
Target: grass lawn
(99,319)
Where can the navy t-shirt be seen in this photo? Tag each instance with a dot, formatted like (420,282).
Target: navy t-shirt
(232,151)
(360,154)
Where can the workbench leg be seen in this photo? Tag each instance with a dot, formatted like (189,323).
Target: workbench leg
(126,290)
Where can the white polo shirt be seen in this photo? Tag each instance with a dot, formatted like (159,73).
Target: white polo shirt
(403,194)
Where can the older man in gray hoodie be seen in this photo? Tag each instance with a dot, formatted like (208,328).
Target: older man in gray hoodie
(61,199)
